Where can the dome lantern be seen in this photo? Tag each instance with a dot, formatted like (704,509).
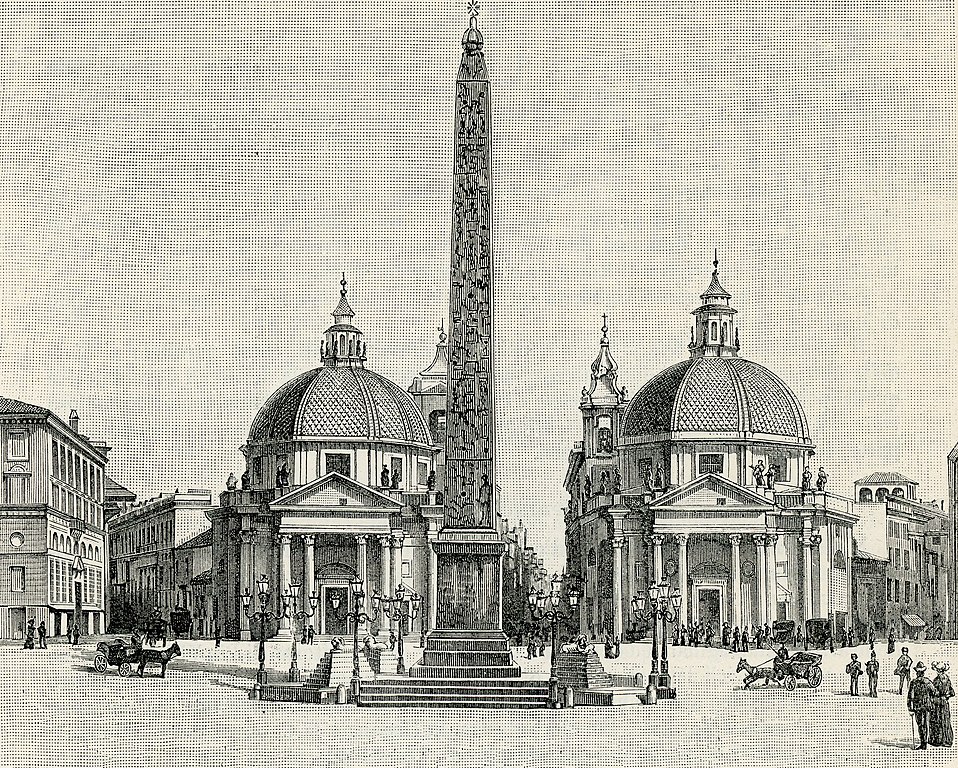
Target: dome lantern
(714,333)
(343,343)
(604,388)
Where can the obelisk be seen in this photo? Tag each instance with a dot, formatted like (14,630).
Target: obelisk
(468,640)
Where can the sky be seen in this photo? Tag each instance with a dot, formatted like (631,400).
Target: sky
(181,185)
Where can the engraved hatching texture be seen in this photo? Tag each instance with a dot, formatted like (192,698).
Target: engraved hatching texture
(275,419)
(336,402)
(772,408)
(470,412)
(708,402)
(650,411)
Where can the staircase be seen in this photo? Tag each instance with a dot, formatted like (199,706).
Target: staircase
(466,656)
(336,668)
(494,693)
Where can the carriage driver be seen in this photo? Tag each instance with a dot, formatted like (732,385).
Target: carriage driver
(779,663)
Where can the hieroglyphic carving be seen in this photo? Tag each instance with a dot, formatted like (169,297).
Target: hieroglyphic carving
(470,421)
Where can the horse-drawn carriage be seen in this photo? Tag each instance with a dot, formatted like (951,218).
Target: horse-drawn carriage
(122,655)
(786,671)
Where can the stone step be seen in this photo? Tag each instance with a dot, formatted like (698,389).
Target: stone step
(532,703)
(466,644)
(464,673)
(470,658)
(395,683)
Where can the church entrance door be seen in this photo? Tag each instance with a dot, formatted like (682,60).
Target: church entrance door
(332,623)
(709,602)
(709,611)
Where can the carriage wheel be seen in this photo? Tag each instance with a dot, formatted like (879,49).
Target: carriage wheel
(100,663)
(790,683)
(814,677)
(125,669)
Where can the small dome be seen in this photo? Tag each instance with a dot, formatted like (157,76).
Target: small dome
(716,394)
(340,402)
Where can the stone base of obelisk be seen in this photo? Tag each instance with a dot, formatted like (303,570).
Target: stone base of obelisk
(468,641)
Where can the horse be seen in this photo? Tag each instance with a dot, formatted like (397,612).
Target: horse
(756,673)
(164,657)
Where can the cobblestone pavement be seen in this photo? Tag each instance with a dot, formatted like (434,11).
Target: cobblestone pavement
(60,712)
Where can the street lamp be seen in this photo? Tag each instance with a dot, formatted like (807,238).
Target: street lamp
(665,606)
(358,616)
(262,614)
(400,608)
(546,607)
(293,593)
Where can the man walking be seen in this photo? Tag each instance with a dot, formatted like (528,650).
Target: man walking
(871,668)
(921,701)
(736,634)
(42,635)
(903,669)
(854,671)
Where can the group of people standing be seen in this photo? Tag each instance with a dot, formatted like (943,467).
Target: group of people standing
(735,639)
(35,635)
(927,700)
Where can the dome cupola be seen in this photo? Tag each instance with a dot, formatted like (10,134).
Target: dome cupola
(343,345)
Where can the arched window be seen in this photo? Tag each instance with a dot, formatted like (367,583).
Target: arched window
(865,495)
(342,342)
(714,331)
(83,551)
(881,494)
(898,492)
(839,560)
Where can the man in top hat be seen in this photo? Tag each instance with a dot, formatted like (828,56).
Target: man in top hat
(921,701)
(871,669)
(854,671)
(903,669)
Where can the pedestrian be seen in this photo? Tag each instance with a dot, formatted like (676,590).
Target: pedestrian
(830,637)
(854,670)
(736,635)
(921,701)
(941,733)
(311,634)
(28,640)
(709,634)
(42,634)
(618,646)
(530,649)
(871,669)
(891,640)
(217,635)
(745,640)
(871,639)
(798,637)
(392,640)
(542,646)
(903,669)
(851,637)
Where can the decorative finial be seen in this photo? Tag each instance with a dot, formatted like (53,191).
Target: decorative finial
(605,327)
(715,264)
(442,331)
(343,283)
(473,8)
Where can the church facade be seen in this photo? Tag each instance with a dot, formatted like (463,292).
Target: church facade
(704,481)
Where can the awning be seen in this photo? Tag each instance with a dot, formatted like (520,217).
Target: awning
(913,621)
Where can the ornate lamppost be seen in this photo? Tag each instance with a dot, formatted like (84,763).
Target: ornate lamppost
(358,616)
(664,606)
(400,608)
(262,614)
(539,603)
(293,593)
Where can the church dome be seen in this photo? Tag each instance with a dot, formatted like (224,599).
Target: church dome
(716,394)
(342,402)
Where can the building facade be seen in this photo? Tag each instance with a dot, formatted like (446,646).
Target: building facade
(918,542)
(193,577)
(144,538)
(703,480)
(952,527)
(52,549)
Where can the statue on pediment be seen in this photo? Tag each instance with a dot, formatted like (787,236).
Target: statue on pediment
(758,472)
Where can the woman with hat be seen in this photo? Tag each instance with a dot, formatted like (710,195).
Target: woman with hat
(940,730)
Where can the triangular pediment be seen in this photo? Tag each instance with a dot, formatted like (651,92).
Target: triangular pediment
(711,491)
(335,491)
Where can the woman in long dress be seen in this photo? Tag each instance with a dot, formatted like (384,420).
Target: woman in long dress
(940,730)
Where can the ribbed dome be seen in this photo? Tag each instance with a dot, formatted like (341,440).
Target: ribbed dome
(715,394)
(340,402)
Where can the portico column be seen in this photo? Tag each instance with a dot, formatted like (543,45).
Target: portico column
(385,579)
(397,538)
(432,597)
(683,542)
(761,571)
(657,569)
(820,579)
(807,579)
(617,542)
(285,540)
(361,540)
(309,574)
(736,540)
(772,577)
(247,579)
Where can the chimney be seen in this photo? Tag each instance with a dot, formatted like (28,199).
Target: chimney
(75,421)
